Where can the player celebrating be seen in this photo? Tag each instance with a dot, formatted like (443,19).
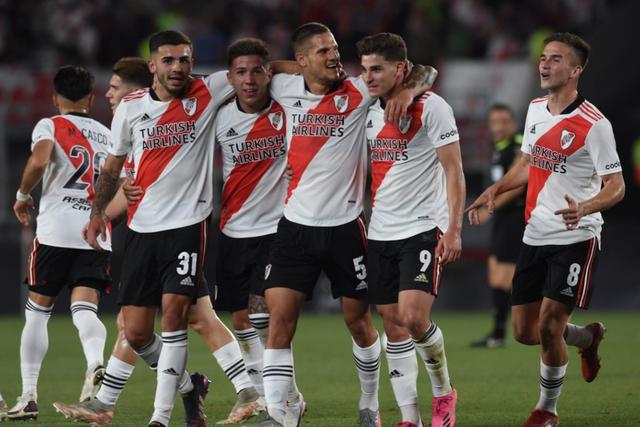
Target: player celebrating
(322,228)
(573,173)
(167,131)
(407,247)
(508,222)
(67,151)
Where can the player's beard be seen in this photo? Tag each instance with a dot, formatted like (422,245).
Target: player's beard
(176,92)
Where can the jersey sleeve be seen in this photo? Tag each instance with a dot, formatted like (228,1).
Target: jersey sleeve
(121,132)
(219,87)
(359,83)
(601,145)
(280,82)
(44,130)
(439,122)
(525,134)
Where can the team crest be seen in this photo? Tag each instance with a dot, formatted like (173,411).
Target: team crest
(404,124)
(267,271)
(341,102)
(276,120)
(566,139)
(189,105)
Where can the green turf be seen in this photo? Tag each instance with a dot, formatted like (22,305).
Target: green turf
(496,387)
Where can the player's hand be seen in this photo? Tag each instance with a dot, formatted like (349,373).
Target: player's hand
(21,208)
(397,106)
(571,215)
(133,193)
(486,199)
(288,173)
(449,247)
(96,227)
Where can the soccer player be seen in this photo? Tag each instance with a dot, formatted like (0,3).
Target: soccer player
(67,152)
(415,229)
(167,130)
(508,222)
(573,173)
(322,227)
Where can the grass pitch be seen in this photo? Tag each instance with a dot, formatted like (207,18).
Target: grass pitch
(496,387)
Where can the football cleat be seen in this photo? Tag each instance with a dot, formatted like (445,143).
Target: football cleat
(156,424)
(26,408)
(265,422)
(589,359)
(193,401)
(91,412)
(294,412)
(369,418)
(540,418)
(92,382)
(409,424)
(444,410)
(261,407)
(489,342)
(245,407)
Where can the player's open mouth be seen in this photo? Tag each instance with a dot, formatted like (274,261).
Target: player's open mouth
(545,75)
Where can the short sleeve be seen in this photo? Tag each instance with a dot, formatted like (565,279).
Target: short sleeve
(601,145)
(44,130)
(280,83)
(359,83)
(121,132)
(439,121)
(219,87)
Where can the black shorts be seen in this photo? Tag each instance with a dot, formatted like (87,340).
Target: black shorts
(51,268)
(240,270)
(400,265)
(300,252)
(559,272)
(163,262)
(506,235)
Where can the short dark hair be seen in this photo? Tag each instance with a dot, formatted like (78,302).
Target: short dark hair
(502,107)
(134,71)
(581,48)
(247,46)
(391,46)
(73,82)
(170,37)
(304,32)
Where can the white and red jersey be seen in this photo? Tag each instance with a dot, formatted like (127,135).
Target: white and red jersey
(80,149)
(172,146)
(254,159)
(569,154)
(408,185)
(327,150)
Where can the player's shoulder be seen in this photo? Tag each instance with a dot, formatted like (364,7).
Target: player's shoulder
(591,113)
(431,102)
(539,100)
(135,95)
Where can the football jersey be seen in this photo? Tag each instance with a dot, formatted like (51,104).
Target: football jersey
(171,146)
(327,150)
(569,154)
(254,159)
(80,146)
(408,185)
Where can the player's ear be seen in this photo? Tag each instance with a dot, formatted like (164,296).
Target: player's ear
(92,98)
(577,70)
(54,99)
(152,65)
(301,59)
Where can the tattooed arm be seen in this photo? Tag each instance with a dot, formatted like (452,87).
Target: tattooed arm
(106,187)
(419,80)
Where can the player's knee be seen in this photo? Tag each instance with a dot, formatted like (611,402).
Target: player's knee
(137,339)
(524,335)
(415,323)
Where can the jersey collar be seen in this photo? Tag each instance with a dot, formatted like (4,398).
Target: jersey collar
(575,104)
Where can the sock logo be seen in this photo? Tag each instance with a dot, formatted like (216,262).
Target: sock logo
(431,361)
(170,371)
(252,371)
(395,374)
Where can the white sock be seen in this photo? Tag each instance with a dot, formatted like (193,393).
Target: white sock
(91,331)
(171,365)
(551,379)
(230,360)
(368,366)
(260,322)
(577,336)
(253,352)
(277,374)
(150,353)
(115,378)
(33,345)
(185,385)
(403,374)
(430,347)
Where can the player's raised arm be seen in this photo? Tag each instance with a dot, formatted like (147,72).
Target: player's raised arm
(106,187)
(285,67)
(33,172)
(517,177)
(419,80)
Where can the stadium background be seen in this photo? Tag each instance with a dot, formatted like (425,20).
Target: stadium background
(485,51)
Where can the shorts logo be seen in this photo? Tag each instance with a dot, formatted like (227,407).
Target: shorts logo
(567,292)
(267,271)
(361,286)
(276,120)
(404,124)
(189,105)
(421,278)
(187,281)
(566,139)
(341,102)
